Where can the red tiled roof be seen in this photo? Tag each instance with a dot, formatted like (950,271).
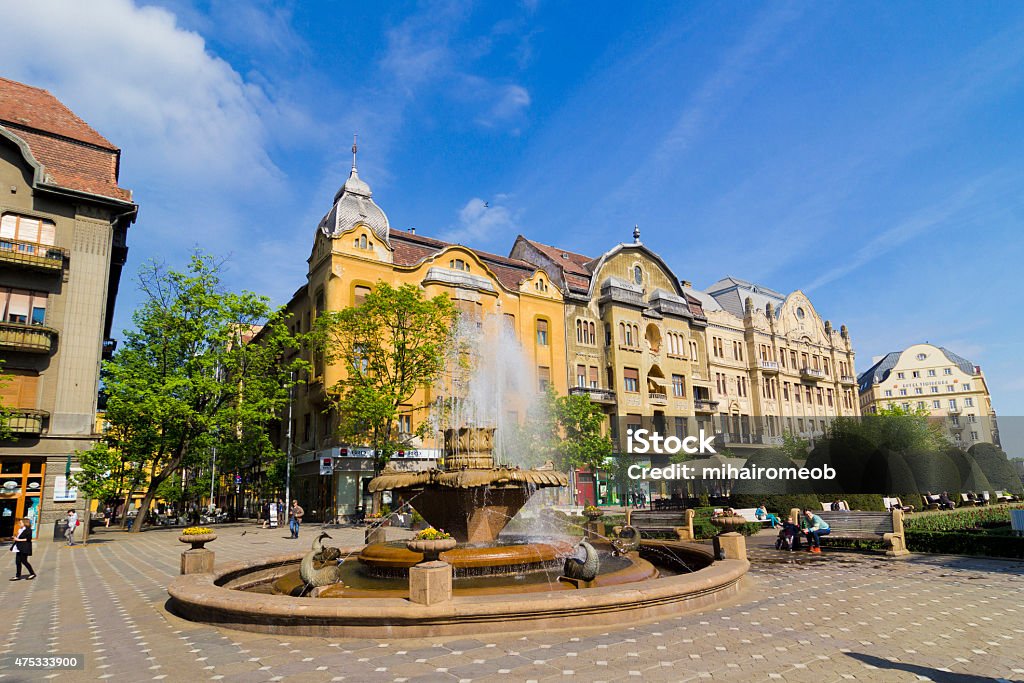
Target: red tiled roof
(73,154)
(574,266)
(410,248)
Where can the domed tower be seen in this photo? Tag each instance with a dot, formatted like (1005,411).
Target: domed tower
(353,204)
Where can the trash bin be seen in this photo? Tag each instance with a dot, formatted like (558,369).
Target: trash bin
(59,527)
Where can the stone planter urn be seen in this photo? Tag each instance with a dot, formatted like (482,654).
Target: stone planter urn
(197,540)
(728,523)
(431,549)
(593,515)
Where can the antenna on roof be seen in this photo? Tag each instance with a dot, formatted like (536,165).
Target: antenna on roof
(355,148)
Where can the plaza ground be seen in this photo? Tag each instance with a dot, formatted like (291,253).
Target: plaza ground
(834,617)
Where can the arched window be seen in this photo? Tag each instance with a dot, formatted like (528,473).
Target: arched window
(579,331)
(622,333)
(638,275)
(362,241)
(593,334)
(542,332)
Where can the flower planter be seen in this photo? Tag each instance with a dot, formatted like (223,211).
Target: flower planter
(727,523)
(197,540)
(593,515)
(430,548)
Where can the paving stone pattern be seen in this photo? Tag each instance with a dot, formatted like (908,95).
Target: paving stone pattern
(833,617)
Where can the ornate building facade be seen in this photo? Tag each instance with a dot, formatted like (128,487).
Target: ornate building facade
(926,377)
(63,226)
(354,247)
(777,367)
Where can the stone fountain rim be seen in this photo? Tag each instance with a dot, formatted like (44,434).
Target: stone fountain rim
(203,597)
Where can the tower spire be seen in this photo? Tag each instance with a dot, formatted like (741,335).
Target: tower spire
(355,148)
(636,234)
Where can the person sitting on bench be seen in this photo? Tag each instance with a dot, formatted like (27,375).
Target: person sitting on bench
(762,513)
(816,528)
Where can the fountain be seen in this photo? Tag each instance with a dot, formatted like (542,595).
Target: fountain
(496,581)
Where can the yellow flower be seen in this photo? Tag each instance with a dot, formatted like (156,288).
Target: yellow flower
(196,531)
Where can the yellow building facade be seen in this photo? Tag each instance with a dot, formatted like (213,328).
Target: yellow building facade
(353,249)
(927,377)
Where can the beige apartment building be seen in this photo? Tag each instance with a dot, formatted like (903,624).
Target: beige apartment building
(927,377)
(635,343)
(63,228)
(776,366)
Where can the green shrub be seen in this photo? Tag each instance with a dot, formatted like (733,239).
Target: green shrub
(996,466)
(779,504)
(965,543)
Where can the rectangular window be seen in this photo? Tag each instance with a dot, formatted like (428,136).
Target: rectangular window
(931,373)
(965,386)
(900,375)
(680,423)
(918,390)
(542,332)
(27,229)
(935,390)
(903,392)
(950,388)
(969,402)
(581,375)
(23,306)
(974,437)
(888,392)
(916,374)
(947,371)
(359,295)
(952,404)
(631,380)
(593,377)
(405,424)
(678,386)
(543,377)
(936,404)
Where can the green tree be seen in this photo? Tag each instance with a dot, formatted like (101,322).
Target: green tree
(997,467)
(793,447)
(581,444)
(391,346)
(185,379)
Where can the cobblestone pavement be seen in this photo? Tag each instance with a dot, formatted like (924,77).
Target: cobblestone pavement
(834,617)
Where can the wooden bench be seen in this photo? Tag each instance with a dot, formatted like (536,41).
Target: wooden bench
(827,507)
(862,526)
(649,522)
(896,503)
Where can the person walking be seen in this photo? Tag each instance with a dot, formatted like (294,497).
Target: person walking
(108,512)
(69,533)
(22,549)
(295,518)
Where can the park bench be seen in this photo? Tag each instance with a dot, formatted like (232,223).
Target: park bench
(897,504)
(1004,497)
(750,514)
(648,522)
(863,526)
(843,505)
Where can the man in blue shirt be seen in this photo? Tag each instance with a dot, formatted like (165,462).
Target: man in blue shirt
(815,528)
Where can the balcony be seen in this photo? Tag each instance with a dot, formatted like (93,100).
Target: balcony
(812,374)
(955,410)
(25,421)
(956,426)
(768,366)
(32,255)
(606,396)
(27,338)
(848,379)
(704,405)
(657,397)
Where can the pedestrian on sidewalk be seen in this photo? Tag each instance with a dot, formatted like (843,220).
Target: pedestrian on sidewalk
(22,549)
(295,518)
(69,533)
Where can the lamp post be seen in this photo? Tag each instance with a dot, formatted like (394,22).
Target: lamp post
(288,453)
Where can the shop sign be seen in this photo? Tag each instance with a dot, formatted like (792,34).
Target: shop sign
(62,493)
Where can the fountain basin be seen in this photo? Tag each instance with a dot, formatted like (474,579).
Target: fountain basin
(394,559)
(218,598)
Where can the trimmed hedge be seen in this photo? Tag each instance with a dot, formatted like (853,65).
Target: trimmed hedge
(961,519)
(966,543)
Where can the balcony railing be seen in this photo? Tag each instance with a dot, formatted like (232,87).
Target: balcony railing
(848,379)
(32,255)
(812,373)
(657,397)
(704,405)
(596,395)
(28,338)
(768,365)
(26,421)
(955,410)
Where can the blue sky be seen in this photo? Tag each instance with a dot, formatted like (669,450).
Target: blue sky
(867,153)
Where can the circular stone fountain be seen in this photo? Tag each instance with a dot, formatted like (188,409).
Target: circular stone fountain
(501,584)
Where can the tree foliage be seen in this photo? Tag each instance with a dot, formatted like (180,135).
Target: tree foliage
(185,379)
(582,444)
(391,345)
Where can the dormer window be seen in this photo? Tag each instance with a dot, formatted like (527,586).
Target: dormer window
(458,264)
(540,286)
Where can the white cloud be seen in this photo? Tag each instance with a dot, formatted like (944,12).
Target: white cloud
(480,221)
(186,118)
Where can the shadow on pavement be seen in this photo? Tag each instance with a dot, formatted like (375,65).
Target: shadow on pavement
(926,671)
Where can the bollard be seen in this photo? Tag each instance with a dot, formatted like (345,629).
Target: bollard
(430,583)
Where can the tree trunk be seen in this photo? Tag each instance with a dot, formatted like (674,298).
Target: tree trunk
(140,519)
